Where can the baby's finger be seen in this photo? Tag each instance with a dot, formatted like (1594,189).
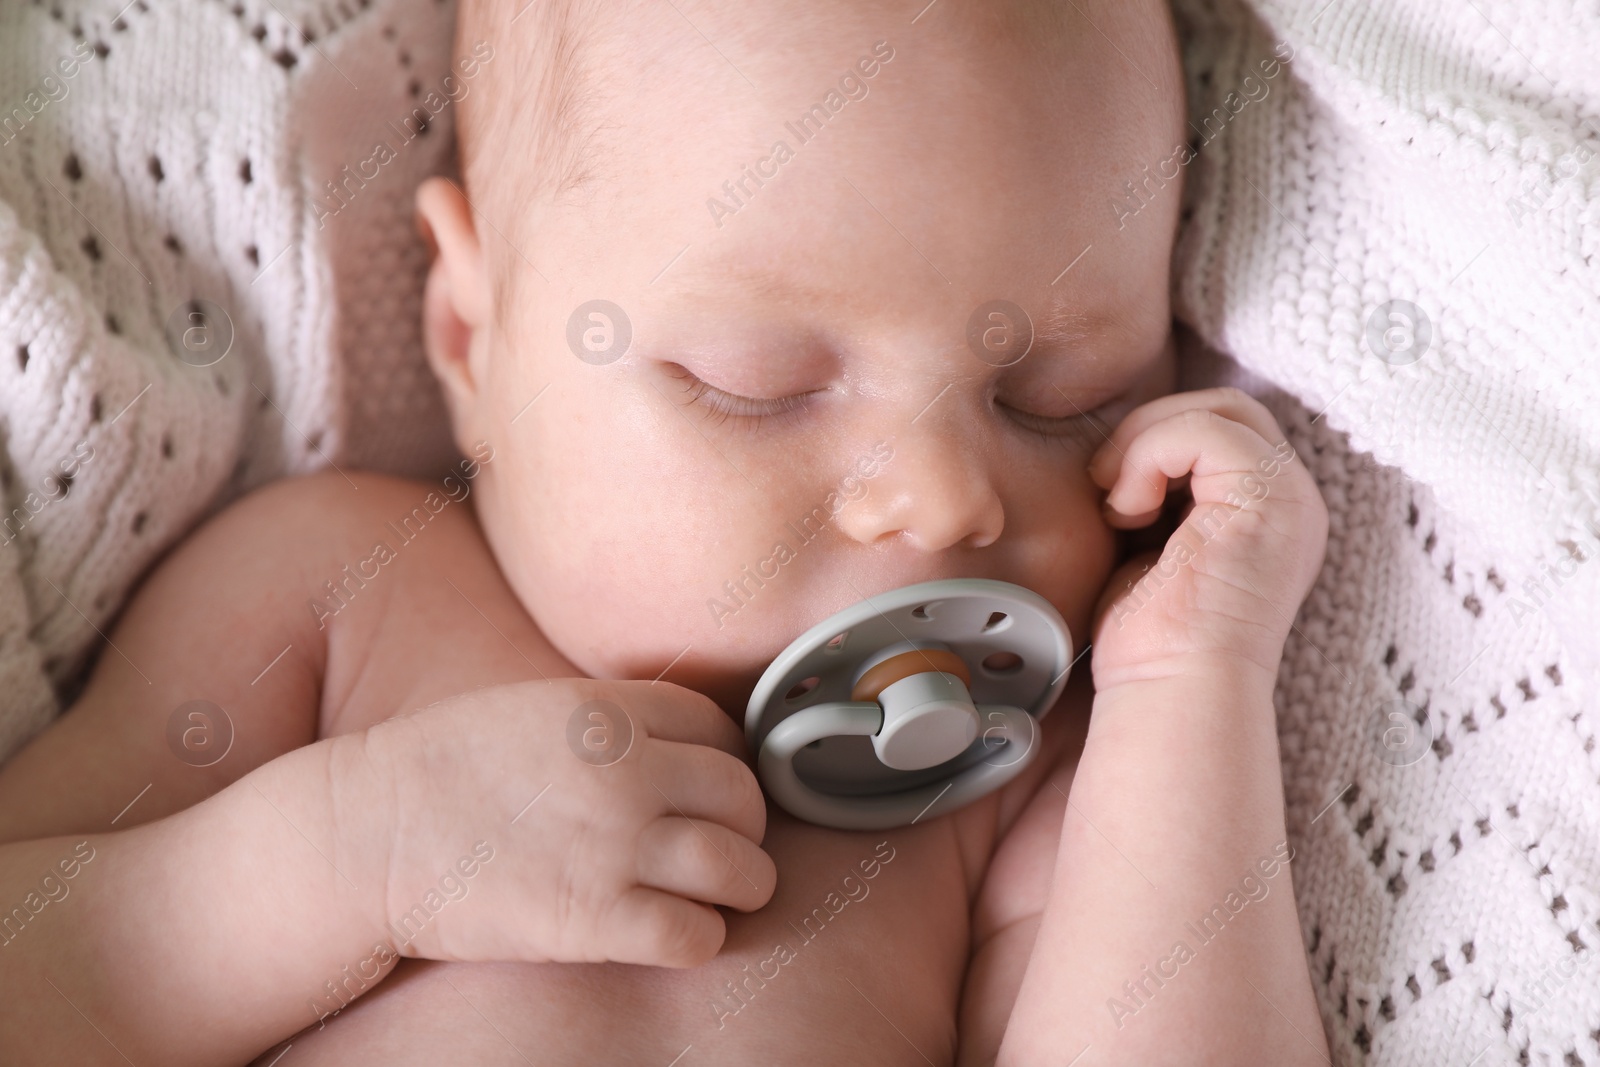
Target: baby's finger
(674,713)
(697,782)
(704,861)
(1216,451)
(1105,466)
(660,929)
(1119,521)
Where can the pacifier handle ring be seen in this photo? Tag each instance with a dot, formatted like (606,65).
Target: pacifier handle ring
(775,764)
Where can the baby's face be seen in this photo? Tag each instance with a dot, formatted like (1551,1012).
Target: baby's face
(804,414)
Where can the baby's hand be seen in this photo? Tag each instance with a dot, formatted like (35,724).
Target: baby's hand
(599,821)
(1233,574)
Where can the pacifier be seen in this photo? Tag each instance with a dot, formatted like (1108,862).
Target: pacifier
(912,703)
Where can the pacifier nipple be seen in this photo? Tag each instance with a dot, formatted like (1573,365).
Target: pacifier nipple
(928,714)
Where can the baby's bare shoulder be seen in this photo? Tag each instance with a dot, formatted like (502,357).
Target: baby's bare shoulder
(381,572)
(277,568)
(325,566)
(397,580)
(241,637)
(217,638)
(324,508)
(265,555)
(308,529)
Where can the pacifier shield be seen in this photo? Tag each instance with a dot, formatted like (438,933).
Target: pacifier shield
(1005,644)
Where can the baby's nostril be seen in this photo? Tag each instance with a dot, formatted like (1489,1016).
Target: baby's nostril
(1002,663)
(802,687)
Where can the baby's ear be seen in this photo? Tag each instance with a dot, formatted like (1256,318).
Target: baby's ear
(456,304)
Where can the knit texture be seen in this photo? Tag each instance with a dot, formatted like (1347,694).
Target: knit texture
(154,154)
(1437,701)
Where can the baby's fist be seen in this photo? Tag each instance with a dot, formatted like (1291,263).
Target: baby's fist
(619,814)
(1231,577)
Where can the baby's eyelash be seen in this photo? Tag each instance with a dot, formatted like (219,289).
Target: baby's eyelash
(1088,427)
(724,405)
(1071,431)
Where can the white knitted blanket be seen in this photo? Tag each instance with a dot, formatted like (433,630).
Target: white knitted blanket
(152,154)
(1438,702)
(1447,156)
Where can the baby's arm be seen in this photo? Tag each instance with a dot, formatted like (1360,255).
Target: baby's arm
(192,938)
(1169,932)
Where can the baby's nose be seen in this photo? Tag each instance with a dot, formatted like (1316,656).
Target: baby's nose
(935,492)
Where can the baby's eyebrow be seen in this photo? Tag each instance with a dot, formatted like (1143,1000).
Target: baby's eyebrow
(1061,325)
(718,278)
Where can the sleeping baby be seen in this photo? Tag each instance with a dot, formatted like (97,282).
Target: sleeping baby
(709,270)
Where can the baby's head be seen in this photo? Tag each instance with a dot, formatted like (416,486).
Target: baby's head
(803,388)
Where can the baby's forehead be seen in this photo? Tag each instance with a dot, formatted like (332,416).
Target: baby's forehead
(578,81)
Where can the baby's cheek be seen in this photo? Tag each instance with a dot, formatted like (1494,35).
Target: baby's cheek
(656,593)
(1074,553)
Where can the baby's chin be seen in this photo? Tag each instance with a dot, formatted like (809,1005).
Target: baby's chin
(726,672)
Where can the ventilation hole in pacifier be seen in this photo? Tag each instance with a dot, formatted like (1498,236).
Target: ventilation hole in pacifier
(836,643)
(802,687)
(1002,663)
(923,612)
(997,621)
